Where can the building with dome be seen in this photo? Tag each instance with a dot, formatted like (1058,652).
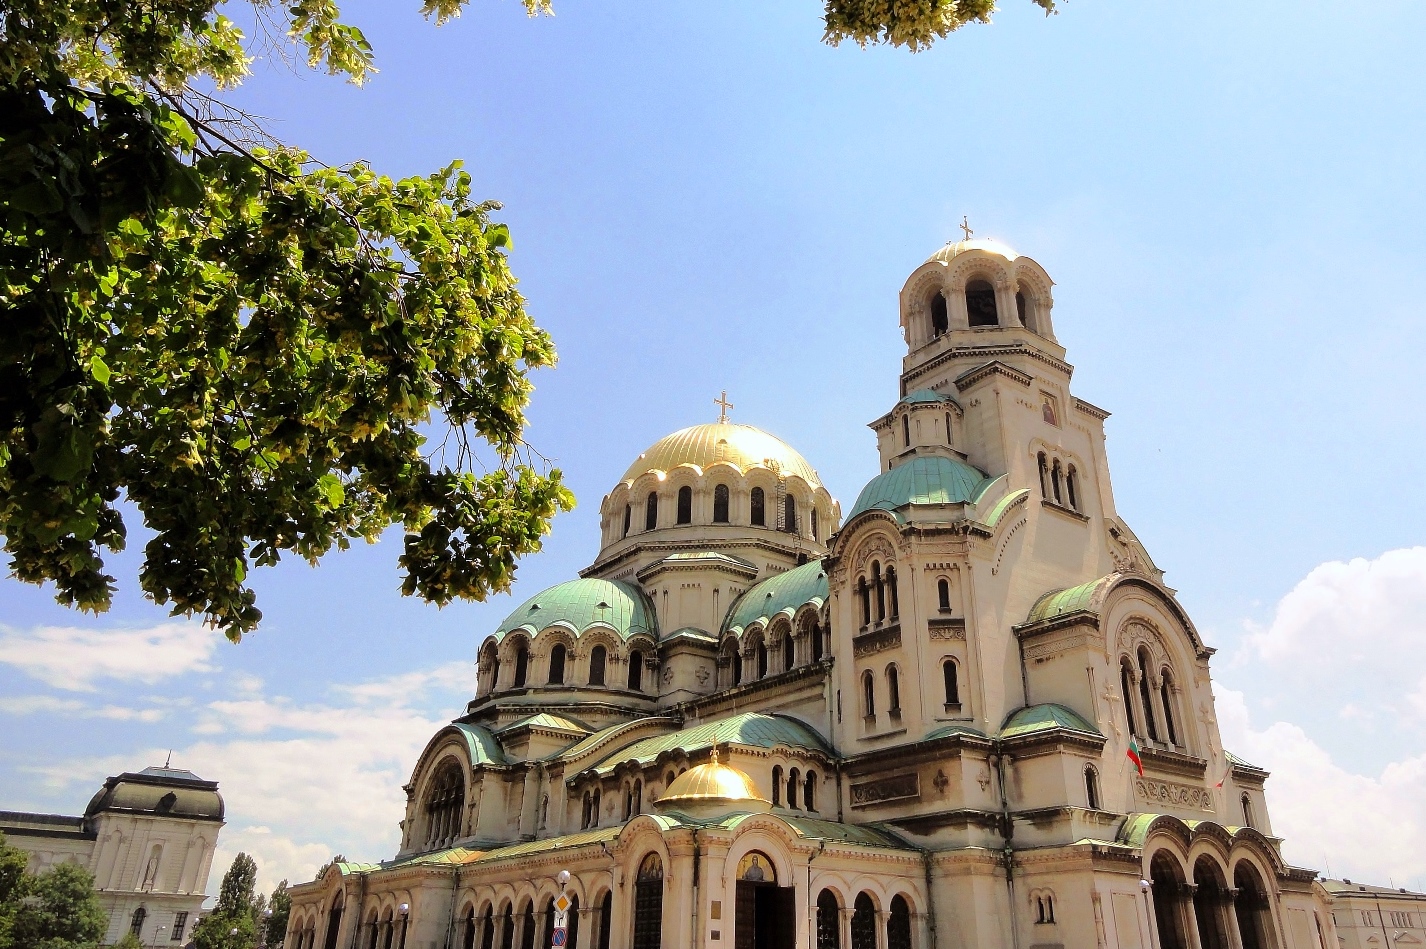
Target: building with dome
(148,838)
(756,722)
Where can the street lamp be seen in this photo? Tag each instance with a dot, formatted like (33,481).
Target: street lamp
(266,918)
(156,931)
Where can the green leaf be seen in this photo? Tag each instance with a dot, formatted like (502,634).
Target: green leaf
(99,370)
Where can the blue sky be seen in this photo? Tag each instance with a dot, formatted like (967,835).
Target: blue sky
(704,196)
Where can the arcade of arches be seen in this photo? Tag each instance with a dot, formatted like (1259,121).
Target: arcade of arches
(756,720)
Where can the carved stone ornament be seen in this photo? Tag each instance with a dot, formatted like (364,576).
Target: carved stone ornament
(876,547)
(948,629)
(667,674)
(869,644)
(897,788)
(702,675)
(1172,793)
(941,781)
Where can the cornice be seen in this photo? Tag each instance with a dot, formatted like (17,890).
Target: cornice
(993,351)
(1090,409)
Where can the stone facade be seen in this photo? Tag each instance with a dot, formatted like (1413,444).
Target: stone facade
(147,837)
(935,698)
(1375,917)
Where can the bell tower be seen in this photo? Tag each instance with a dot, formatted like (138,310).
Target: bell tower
(981,349)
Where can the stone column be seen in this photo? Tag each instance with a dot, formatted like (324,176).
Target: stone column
(956,314)
(1195,938)
(1229,909)
(1156,700)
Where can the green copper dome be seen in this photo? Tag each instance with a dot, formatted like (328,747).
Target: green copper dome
(580,604)
(932,479)
(787,591)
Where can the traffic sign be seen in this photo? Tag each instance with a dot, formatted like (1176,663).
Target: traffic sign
(562,903)
(557,938)
(559,920)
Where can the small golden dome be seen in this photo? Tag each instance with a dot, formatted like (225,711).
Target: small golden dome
(954,249)
(707,445)
(711,783)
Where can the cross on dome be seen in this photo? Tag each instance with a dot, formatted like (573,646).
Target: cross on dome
(965,226)
(725,405)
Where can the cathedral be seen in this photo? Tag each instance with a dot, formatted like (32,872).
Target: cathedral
(965,712)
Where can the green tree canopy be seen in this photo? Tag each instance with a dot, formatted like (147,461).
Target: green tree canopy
(914,24)
(56,909)
(280,902)
(248,346)
(233,923)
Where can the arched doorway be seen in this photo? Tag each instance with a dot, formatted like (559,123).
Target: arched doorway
(648,904)
(898,924)
(766,912)
(1168,882)
(334,922)
(1253,908)
(863,923)
(1210,904)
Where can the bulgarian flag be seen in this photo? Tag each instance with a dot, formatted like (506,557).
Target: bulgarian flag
(1133,754)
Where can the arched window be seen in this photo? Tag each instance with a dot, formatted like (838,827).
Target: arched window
(720,504)
(1126,676)
(863,923)
(549,914)
(445,802)
(507,929)
(557,654)
(597,657)
(1091,787)
(584,811)
(940,321)
(737,668)
(943,594)
(628,516)
(638,797)
(762,659)
(651,511)
(522,663)
(1044,475)
(815,632)
(573,941)
(980,304)
(594,808)
(789,514)
(776,785)
(487,931)
(636,671)
(1166,698)
(685,505)
(898,924)
(759,508)
(880,591)
(1020,307)
(813,515)
(606,912)
(809,791)
(1148,706)
(1072,487)
(892,589)
(948,428)
(136,924)
(950,675)
(648,904)
(628,802)
(1247,803)
(906,431)
(868,695)
(1055,480)
(793,786)
(893,691)
(829,923)
(490,666)
(865,597)
(527,926)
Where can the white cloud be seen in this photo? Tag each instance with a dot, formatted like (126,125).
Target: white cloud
(36,704)
(1343,650)
(1371,828)
(1362,613)
(303,781)
(71,658)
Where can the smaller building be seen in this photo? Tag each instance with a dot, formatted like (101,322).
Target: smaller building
(1376,917)
(147,837)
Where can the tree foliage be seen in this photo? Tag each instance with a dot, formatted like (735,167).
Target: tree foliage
(914,24)
(248,346)
(233,924)
(275,928)
(56,909)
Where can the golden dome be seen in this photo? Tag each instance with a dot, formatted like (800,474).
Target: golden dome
(711,783)
(707,445)
(953,249)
